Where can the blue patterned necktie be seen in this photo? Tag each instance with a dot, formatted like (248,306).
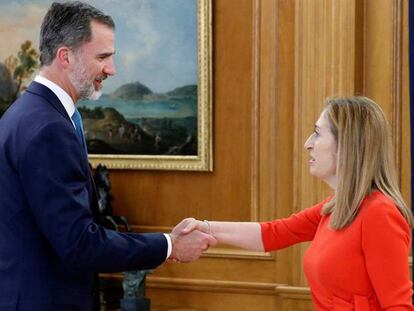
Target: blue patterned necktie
(77,119)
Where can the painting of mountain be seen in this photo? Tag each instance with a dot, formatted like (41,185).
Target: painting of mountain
(134,120)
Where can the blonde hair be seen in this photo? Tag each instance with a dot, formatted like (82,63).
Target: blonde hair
(365,158)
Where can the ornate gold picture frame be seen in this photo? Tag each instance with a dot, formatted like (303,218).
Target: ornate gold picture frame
(156,112)
(201,159)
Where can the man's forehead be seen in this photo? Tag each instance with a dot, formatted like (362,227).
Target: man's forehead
(103,38)
(99,29)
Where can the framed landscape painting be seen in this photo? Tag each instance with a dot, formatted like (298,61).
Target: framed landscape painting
(156,112)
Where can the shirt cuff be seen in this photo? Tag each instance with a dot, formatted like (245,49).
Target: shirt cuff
(169,249)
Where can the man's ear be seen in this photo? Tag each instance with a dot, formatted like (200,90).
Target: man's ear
(64,56)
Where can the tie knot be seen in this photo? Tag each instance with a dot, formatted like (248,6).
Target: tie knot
(76,117)
(77,120)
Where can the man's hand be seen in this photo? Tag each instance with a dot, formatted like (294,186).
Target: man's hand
(188,246)
(189,224)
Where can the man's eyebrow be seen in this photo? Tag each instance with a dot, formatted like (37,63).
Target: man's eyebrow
(317,127)
(106,54)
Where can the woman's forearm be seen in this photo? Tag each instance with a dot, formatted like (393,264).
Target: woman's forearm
(246,235)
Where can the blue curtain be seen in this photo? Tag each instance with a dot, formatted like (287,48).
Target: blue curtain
(411,55)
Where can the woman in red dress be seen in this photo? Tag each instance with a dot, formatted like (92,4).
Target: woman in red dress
(360,235)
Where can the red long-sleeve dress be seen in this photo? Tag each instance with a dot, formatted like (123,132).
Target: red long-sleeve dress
(363,267)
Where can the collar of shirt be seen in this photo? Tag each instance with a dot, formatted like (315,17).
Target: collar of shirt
(64,97)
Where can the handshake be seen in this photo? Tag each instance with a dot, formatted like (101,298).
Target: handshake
(190,238)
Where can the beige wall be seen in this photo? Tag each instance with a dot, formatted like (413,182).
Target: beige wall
(274,63)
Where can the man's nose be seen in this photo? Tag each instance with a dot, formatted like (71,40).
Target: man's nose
(109,68)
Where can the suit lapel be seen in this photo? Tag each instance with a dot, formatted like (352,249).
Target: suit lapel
(94,196)
(51,98)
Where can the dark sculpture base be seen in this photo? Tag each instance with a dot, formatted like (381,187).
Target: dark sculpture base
(132,304)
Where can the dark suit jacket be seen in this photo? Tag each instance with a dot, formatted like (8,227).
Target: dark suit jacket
(49,243)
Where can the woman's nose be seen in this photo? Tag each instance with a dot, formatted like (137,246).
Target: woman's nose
(308,143)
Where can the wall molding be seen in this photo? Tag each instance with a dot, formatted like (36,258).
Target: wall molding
(212,285)
(397,18)
(234,287)
(294,292)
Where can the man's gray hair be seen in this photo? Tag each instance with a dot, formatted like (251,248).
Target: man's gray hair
(68,24)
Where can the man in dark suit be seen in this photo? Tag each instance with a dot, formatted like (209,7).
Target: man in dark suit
(50,246)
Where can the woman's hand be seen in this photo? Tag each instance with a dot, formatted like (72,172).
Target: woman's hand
(188,225)
(194,224)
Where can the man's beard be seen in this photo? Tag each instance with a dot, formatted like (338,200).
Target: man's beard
(82,84)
